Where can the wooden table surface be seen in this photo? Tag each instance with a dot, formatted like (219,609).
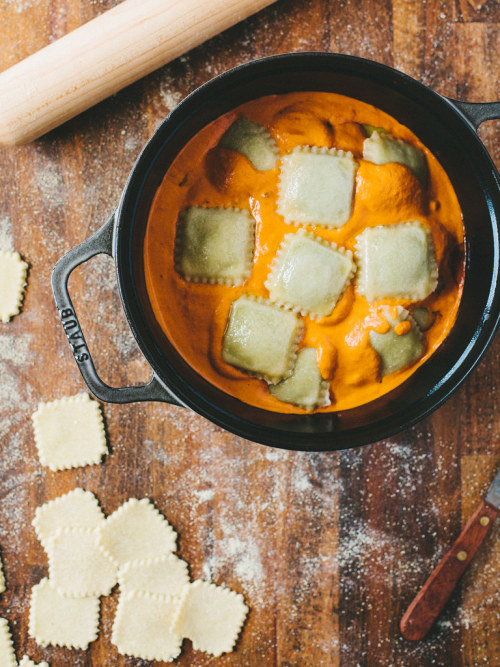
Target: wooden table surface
(328,549)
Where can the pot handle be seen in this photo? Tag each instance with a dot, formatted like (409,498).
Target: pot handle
(100,243)
(477,112)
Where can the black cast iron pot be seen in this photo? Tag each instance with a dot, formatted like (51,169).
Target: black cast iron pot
(445,126)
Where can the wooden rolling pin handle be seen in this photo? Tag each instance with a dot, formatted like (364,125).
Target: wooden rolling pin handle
(103,56)
(431,599)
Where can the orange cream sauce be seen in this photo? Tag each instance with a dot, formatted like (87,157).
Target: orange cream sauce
(193,316)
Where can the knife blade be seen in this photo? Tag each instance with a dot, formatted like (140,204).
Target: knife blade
(430,600)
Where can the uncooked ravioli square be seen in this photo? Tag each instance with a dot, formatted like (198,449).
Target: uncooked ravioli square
(13,272)
(62,621)
(76,509)
(211,617)
(136,531)
(161,575)
(142,626)
(27,662)
(69,432)
(78,567)
(7,655)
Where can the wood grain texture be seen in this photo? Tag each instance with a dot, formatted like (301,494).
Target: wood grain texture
(328,549)
(432,597)
(103,56)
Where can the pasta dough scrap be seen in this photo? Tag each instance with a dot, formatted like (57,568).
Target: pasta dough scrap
(7,654)
(60,620)
(162,575)
(211,617)
(397,351)
(261,338)
(28,662)
(253,141)
(309,274)
(316,186)
(214,245)
(382,147)
(305,387)
(78,509)
(77,566)
(396,261)
(142,626)
(69,432)
(13,272)
(136,531)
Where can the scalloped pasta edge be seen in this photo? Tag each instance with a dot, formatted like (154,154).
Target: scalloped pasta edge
(199,583)
(280,256)
(238,279)
(273,379)
(313,150)
(18,288)
(85,459)
(431,256)
(121,611)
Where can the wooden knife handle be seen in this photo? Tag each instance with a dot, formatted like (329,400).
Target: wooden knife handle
(431,599)
(103,56)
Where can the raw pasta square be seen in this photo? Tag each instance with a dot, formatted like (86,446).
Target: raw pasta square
(78,509)
(381,147)
(27,662)
(77,566)
(261,338)
(211,617)
(401,345)
(316,186)
(7,655)
(305,387)
(142,626)
(62,621)
(396,261)
(69,432)
(13,272)
(309,274)
(253,141)
(136,531)
(214,245)
(162,575)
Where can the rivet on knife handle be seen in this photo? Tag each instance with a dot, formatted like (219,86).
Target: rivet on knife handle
(431,599)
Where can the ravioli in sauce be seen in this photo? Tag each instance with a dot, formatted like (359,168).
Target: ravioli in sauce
(304,252)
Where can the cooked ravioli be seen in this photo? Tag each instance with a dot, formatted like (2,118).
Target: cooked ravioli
(214,245)
(253,141)
(424,317)
(316,186)
(305,387)
(309,274)
(399,347)
(396,261)
(381,147)
(261,338)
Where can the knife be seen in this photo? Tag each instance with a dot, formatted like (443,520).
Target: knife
(431,599)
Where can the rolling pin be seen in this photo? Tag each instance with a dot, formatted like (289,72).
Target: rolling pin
(103,56)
